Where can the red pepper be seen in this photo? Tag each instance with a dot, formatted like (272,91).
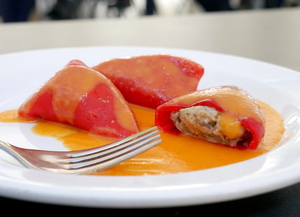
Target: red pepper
(256,131)
(42,108)
(96,113)
(152,80)
(254,126)
(84,98)
(76,63)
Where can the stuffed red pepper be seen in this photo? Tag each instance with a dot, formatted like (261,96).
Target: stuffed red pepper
(84,98)
(226,115)
(152,80)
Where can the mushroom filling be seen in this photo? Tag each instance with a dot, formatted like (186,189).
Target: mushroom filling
(209,124)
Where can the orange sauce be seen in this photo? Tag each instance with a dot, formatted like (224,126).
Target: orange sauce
(174,155)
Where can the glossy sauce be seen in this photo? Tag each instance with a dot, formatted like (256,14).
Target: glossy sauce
(174,155)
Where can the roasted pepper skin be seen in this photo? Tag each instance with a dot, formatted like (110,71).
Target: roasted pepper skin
(152,80)
(84,98)
(257,133)
(255,128)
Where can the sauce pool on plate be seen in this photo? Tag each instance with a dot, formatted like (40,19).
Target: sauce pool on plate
(177,153)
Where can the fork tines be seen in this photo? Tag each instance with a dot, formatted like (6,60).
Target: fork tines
(112,154)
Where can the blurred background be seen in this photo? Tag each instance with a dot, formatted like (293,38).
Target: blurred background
(43,10)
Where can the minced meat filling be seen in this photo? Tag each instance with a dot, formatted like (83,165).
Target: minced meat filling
(202,122)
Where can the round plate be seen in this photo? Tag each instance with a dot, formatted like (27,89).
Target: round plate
(22,73)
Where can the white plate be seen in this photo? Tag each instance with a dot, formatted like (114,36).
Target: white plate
(22,73)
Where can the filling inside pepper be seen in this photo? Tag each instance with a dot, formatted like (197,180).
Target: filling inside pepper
(209,124)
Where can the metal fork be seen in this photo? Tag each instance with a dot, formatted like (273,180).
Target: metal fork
(85,161)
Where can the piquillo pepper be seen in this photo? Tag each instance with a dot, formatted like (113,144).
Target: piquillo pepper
(226,115)
(84,98)
(152,80)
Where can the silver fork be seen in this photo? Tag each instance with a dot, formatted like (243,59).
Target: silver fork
(85,161)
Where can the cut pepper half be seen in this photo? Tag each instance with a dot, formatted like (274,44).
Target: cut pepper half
(226,115)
